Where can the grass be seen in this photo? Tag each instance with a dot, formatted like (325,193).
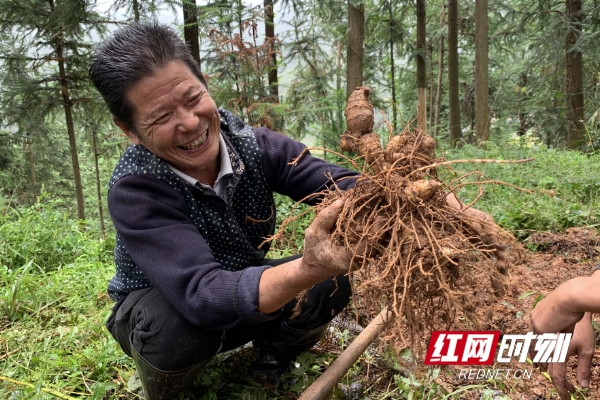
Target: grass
(567,191)
(53,302)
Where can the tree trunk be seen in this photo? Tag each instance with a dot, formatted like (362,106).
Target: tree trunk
(430,108)
(98,186)
(574,75)
(421,66)
(455,131)
(29,152)
(58,41)
(270,38)
(482,104)
(136,10)
(338,87)
(522,117)
(438,94)
(392,66)
(190,28)
(354,56)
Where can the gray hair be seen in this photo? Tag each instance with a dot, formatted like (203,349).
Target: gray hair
(131,54)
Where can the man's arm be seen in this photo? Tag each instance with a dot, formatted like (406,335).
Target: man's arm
(153,222)
(568,309)
(565,306)
(322,259)
(307,176)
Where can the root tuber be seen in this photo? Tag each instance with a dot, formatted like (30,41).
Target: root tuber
(415,245)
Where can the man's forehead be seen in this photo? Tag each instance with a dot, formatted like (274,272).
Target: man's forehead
(160,106)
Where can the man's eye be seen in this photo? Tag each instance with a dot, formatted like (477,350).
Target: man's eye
(161,119)
(194,100)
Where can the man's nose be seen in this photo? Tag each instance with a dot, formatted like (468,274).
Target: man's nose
(187,120)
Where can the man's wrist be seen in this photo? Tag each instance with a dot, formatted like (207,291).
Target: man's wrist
(583,293)
(311,274)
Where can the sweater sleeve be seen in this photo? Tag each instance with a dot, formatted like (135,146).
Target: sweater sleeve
(309,175)
(152,220)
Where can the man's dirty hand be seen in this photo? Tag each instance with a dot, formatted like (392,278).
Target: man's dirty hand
(322,257)
(558,313)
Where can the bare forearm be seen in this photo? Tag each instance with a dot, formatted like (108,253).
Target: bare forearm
(566,306)
(279,285)
(322,259)
(584,294)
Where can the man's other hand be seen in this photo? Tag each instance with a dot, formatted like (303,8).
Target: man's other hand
(554,314)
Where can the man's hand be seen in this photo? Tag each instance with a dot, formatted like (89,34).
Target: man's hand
(559,313)
(322,257)
(582,346)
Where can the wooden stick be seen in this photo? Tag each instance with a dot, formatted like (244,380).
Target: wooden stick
(321,388)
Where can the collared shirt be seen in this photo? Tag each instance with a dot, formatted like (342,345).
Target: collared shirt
(225,171)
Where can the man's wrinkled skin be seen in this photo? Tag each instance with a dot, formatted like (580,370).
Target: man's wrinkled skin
(569,309)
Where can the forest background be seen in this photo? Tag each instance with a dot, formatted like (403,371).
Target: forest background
(513,79)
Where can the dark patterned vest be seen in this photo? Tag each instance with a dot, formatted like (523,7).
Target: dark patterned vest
(233,231)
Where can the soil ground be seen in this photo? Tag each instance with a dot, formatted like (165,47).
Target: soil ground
(555,259)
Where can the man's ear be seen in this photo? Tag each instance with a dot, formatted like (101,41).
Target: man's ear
(127,130)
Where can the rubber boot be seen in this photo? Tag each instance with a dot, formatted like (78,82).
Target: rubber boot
(274,354)
(164,385)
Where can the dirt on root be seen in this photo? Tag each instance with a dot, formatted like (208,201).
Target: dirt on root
(557,258)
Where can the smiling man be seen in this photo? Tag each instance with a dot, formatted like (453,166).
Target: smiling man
(192,202)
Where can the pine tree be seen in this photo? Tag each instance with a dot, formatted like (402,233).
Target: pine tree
(46,54)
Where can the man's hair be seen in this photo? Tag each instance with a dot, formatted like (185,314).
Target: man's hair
(131,54)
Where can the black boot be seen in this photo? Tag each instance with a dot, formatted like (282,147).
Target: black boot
(164,385)
(275,353)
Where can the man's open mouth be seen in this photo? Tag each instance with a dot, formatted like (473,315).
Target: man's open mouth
(196,143)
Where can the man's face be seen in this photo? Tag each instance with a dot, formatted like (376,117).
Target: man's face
(176,119)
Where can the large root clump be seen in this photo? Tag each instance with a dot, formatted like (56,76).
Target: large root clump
(415,247)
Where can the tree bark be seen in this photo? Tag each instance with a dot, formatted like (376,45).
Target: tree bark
(190,28)
(136,10)
(98,186)
(29,152)
(392,67)
(421,66)
(430,108)
(482,104)
(455,131)
(522,117)
(270,38)
(58,42)
(338,86)
(438,94)
(354,56)
(574,77)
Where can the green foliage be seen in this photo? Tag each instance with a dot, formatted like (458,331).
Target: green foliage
(40,245)
(292,239)
(42,235)
(566,191)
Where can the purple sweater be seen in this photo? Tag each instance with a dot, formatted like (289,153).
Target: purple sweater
(154,225)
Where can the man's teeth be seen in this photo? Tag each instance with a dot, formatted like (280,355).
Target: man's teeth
(196,143)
